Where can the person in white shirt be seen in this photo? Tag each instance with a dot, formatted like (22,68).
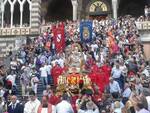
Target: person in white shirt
(34,83)
(11,77)
(126,93)
(146,11)
(64,106)
(114,88)
(123,68)
(32,105)
(45,107)
(117,107)
(148,102)
(13,64)
(116,72)
(91,108)
(44,74)
(2,92)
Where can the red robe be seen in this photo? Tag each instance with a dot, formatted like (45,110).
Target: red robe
(56,72)
(107,70)
(54,100)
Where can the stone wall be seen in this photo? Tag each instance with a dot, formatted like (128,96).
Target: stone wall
(147,50)
(10,43)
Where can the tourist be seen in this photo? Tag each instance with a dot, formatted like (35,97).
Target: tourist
(15,106)
(64,106)
(146,11)
(44,74)
(114,88)
(91,108)
(25,82)
(126,93)
(1,90)
(2,105)
(34,83)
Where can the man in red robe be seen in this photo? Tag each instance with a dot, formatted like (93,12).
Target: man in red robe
(53,99)
(56,72)
(107,70)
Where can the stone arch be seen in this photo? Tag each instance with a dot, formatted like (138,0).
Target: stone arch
(26,13)
(7,14)
(104,1)
(16,14)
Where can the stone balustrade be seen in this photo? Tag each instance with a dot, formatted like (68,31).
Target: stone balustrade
(17,31)
(145,25)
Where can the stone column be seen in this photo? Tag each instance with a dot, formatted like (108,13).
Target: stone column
(2,19)
(115,8)
(30,9)
(75,6)
(21,11)
(12,12)
(21,15)
(36,16)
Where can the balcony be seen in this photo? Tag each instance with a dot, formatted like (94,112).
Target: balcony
(19,31)
(144,25)
(144,30)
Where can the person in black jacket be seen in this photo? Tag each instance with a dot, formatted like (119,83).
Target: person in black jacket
(15,106)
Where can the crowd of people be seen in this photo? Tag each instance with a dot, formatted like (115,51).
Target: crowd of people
(115,48)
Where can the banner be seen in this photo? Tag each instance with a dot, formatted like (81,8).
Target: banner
(86,31)
(59,37)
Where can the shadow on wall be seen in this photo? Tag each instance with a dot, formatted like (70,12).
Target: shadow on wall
(59,10)
(132,7)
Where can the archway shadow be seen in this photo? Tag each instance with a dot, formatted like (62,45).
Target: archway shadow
(59,10)
(132,7)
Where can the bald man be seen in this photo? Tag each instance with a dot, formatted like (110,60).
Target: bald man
(15,106)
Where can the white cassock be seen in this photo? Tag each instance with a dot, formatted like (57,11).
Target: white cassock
(32,106)
(64,107)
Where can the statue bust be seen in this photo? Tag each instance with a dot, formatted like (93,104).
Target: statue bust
(75,60)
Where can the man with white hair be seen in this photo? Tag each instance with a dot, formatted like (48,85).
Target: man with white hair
(126,93)
(114,88)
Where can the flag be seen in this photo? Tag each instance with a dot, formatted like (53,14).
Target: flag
(86,31)
(59,37)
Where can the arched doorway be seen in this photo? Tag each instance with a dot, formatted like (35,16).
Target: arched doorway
(98,10)
(131,7)
(59,10)
(7,14)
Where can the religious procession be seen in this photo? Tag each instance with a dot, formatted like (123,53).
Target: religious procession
(79,67)
(86,66)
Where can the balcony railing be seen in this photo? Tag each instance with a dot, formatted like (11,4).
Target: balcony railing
(17,31)
(23,31)
(144,25)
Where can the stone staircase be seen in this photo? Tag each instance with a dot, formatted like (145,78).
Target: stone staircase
(40,90)
(19,90)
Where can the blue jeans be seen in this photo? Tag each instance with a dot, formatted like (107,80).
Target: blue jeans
(44,80)
(50,79)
